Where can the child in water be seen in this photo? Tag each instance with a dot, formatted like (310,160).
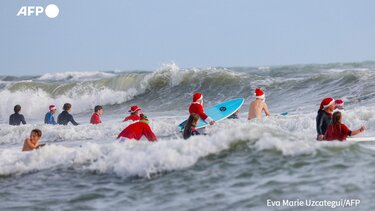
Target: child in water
(190,126)
(33,142)
(258,106)
(338,131)
(65,117)
(95,118)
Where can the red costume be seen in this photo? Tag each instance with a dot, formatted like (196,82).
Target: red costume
(137,130)
(132,117)
(337,132)
(197,108)
(95,119)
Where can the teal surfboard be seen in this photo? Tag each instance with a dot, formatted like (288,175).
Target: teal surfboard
(218,112)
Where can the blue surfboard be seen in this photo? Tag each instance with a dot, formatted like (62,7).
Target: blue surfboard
(218,112)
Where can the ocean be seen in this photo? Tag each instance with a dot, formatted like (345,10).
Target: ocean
(239,165)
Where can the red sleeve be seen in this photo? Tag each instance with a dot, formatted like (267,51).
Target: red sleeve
(345,130)
(95,119)
(148,133)
(198,109)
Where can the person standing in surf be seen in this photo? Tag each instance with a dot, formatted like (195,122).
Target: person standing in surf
(17,118)
(189,129)
(95,118)
(65,117)
(258,106)
(339,131)
(323,119)
(134,114)
(137,130)
(49,119)
(339,105)
(196,107)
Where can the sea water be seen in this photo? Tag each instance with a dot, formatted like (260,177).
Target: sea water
(239,165)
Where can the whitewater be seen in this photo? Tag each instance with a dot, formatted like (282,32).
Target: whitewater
(239,165)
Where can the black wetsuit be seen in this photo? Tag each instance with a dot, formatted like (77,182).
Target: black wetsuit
(16,119)
(191,132)
(322,122)
(64,118)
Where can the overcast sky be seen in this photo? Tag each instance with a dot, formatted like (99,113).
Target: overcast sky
(142,35)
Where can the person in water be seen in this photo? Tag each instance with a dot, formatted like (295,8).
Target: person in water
(65,117)
(17,118)
(196,107)
(33,142)
(339,105)
(48,118)
(323,119)
(134,114)
(137,130)
(258,106)
(339,131)
(189,129)
(234,115)
(98,112)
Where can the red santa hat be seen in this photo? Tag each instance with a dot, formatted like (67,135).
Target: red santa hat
(326,102)
(134,109)
(52,107)
(339,102)
(197,96)
(259,93)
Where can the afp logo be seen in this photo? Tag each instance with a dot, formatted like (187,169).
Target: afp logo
(51,11)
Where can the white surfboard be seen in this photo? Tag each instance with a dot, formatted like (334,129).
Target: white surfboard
(361,139)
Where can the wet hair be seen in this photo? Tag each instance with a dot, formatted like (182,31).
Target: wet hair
(191,122)
(336,116)
(98,108)
(17,108)
(67,106)
(37,132)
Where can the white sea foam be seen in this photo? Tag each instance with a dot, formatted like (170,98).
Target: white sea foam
(75,76)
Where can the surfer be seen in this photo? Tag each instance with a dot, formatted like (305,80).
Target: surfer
(324,116)
(17,118)
(258,105)
(189,129)
(95,117)
(134,114)
(49,119)
(138,129)
(65,117)
(33,142)
(196,107)
(339,131)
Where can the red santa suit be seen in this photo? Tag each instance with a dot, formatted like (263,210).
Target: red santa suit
(137,130)
(197,108)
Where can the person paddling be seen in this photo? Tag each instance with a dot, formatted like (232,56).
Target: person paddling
(33,142)
(323,119)
(48,118)
(258,106)
(189,129)
(134,114)
(339,131)
(137,130)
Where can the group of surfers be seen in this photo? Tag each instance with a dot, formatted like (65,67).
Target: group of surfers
(328,121)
